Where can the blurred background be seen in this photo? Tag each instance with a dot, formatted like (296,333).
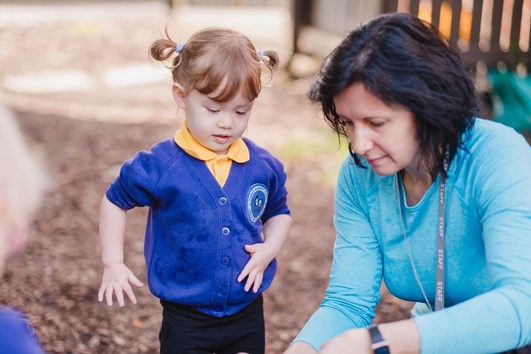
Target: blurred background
(77,75)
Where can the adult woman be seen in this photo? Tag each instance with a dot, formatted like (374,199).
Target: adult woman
(422,170)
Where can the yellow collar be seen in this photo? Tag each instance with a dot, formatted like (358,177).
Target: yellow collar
(237,151)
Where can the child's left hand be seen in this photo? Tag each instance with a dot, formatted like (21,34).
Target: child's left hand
(261,256)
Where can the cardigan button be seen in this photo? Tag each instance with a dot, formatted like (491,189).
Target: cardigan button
(225,260)
(225,231)
(222,201)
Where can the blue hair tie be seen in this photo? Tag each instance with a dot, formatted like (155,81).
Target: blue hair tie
(178,47)
(260,53)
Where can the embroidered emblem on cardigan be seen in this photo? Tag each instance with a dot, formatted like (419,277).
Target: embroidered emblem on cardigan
(256,201)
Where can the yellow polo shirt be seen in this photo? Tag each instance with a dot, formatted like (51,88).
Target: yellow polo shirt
(219,165)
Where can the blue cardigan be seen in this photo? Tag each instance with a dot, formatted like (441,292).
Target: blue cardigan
(196,229)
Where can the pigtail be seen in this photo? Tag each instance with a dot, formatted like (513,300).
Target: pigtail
(270,58)
(165,48)
(162,49)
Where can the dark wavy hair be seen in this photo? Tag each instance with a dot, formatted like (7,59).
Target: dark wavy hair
(403,60)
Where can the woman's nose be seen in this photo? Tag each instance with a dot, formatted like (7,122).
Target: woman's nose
(360,141)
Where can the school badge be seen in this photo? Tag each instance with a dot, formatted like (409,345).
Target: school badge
(256,201)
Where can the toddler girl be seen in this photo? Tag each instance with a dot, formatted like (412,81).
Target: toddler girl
(218,212)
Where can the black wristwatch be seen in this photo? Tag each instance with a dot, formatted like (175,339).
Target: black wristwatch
(379,345)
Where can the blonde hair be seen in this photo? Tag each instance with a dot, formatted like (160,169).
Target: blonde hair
(216,58)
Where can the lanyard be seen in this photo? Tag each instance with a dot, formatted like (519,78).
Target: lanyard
(439,266)
(439,273)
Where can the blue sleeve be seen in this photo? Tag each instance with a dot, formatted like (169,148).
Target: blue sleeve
(355,278)
(16,333)
(139,177)
(499,319)
(277,203)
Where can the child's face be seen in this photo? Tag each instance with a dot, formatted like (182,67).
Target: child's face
(216,125)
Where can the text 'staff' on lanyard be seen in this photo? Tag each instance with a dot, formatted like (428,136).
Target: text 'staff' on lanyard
(439,273)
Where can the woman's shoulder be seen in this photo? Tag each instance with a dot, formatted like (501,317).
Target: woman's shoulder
(487,133)
(493,141)
(494,150)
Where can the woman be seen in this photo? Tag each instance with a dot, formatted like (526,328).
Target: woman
(433,200)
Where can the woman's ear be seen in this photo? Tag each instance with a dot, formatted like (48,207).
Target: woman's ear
(179,95)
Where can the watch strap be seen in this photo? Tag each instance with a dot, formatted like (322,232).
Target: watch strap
(379,345)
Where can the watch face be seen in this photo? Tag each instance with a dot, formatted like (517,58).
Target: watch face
(379,344)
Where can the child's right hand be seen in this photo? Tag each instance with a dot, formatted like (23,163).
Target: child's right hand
(116,279)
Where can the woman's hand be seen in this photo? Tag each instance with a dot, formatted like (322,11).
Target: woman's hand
(401,336)
(351,341)
(117,279)
(300,348)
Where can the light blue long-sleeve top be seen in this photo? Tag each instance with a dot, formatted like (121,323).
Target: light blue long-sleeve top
(488,249)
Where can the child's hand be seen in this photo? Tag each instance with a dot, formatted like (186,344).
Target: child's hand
(254,269)
(116,279)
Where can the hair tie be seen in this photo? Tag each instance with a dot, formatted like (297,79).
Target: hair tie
(260,53)
(178,47)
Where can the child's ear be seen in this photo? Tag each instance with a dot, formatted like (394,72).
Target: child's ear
(179,95)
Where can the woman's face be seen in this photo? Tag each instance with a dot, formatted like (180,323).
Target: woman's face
(385,136)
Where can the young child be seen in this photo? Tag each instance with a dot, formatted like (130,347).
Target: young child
(212,195)
(21,189)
